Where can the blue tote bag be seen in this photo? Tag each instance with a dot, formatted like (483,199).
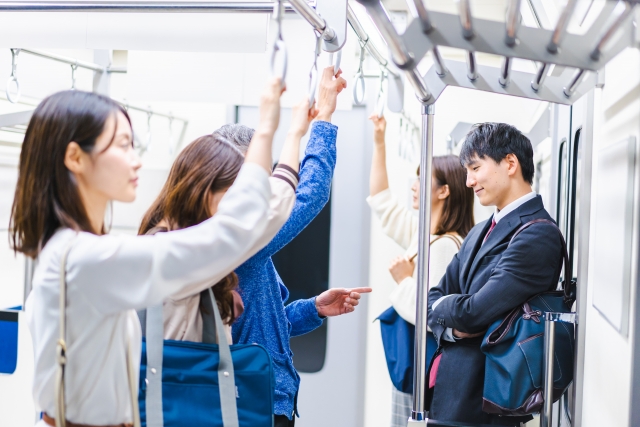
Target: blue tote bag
(398,338)
(196,384)
(514,346)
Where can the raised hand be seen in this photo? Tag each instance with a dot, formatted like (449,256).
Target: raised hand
(301,117)
(337,301)
(270,106)
(330,87)
(379,127)
(259,151)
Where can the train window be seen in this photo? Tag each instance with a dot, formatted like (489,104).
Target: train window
(542,158)
(303,266)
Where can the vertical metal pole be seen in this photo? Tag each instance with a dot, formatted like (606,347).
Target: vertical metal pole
(424,237)
(546,416)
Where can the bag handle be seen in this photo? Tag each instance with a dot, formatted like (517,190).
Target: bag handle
(226,378)
(568,284)
(441,236)
(61,354)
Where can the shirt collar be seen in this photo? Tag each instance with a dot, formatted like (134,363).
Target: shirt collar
(513,206)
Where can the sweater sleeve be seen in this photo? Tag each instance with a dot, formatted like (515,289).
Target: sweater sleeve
(398,222)
(115,273)
(316,172)
(303,316)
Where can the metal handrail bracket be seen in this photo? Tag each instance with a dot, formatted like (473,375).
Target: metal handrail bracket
(532,42)
(519,83)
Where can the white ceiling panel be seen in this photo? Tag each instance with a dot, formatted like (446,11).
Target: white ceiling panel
(206,32)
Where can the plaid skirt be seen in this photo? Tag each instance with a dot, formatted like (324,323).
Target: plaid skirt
(401,405)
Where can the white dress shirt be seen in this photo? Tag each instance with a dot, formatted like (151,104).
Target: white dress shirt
(497,216)
(109,277)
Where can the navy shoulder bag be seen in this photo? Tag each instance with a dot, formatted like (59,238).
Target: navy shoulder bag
(196,384)
(514,346)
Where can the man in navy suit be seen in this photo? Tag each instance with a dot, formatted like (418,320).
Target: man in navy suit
(487,279)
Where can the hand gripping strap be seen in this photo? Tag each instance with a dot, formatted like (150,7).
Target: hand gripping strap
(568,284)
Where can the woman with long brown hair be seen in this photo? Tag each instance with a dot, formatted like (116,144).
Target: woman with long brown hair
(451,220)
(76,158)
(200,176)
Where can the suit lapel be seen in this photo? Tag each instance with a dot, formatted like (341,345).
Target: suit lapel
(474,247)
(501,231)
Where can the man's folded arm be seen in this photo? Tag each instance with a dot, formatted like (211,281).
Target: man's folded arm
(529,266)
(449,284)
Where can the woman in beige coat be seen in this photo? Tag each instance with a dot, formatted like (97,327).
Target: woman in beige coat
(451,220)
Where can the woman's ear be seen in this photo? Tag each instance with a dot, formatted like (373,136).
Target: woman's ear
(444,192)
(73,157)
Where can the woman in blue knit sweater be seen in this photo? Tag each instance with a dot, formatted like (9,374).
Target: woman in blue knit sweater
(266,320)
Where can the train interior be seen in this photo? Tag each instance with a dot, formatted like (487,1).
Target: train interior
(183,75)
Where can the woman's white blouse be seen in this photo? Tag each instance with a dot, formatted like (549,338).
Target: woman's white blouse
(400,224)
(109,277)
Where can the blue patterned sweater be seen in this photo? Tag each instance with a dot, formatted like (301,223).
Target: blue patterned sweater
(266,320)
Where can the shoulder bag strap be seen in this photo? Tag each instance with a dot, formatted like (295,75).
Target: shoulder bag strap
(61,347)
(61,354)
(454,238)
(568,284)
(155,342)
(226,376)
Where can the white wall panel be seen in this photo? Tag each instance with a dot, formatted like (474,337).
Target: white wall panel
(608,355)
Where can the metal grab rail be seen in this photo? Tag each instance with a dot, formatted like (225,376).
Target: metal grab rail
(366,43)
(399,52)
(140,7)
(73,62)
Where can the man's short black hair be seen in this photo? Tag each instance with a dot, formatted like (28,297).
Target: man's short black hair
(497,140)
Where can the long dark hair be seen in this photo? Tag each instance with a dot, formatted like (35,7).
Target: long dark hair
(47,196)
(207,165)
(457,212)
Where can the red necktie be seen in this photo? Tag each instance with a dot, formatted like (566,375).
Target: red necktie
(493,224)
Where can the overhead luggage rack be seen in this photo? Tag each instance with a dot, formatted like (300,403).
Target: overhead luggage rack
(581,56)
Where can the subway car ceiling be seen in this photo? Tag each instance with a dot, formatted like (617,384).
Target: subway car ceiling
(565,73)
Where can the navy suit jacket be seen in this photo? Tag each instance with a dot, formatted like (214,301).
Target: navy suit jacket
(485,282)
